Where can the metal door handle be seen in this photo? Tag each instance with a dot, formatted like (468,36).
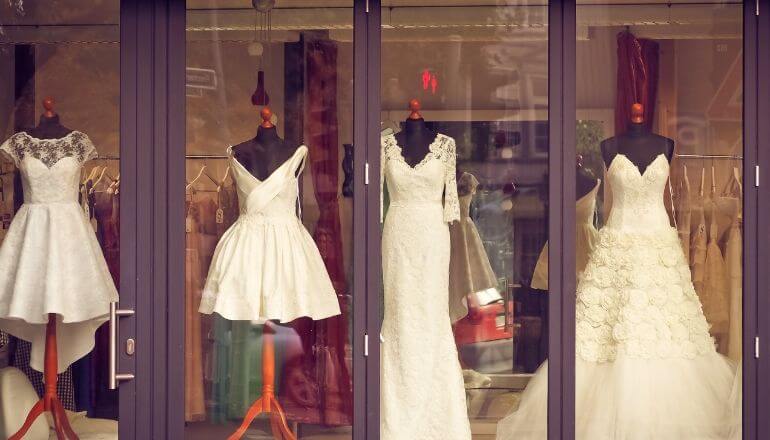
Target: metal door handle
(114,376)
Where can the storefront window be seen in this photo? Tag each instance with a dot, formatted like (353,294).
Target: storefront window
(464,153)
(269,266)
(658,222)
(59,213)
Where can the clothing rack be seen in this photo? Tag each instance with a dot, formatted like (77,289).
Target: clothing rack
(189,156)
(709,156)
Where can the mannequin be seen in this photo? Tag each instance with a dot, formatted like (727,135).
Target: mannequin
(266,151)
(585,182)
(49,126)
(416,137)
(638,144)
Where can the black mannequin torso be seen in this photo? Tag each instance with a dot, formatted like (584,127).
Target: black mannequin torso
(49,127)
(639,145)
(585,183)
(415,140)
(264,153)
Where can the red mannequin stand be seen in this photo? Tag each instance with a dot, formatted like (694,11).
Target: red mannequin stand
(50,401)
(267,403)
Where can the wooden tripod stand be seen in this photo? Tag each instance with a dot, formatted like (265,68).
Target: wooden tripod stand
(50,401)
(267,403)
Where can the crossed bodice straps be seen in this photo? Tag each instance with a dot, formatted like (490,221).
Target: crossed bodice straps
(277,194)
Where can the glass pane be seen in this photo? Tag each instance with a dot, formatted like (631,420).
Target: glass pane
(659,132)
(464,154)
(269,217)
(59,209)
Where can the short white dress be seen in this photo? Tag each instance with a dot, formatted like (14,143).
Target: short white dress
(50,260)
(267,266)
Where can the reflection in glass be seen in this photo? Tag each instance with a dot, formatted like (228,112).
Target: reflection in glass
(657,309)
(269,231)
(59,213)
(464,167)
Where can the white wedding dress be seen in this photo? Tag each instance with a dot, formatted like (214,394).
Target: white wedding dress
(646,367)
(50,261)
(267,266)
(423,395)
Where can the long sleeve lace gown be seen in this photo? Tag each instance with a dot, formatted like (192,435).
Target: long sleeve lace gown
(423,395)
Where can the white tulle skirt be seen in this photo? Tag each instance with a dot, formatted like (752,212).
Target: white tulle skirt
(51,262)
(639,399)
(268,268)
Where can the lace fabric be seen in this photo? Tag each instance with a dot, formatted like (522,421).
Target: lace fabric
(49,151)
(423,395)
(442,149)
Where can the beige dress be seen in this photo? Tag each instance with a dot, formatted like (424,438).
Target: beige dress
(469,268)
(714,289)
(733,259)
(194,406)
(698,245)
(684,214)
(585,239)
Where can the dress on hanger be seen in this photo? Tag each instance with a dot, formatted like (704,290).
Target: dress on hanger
(684,214)
(194,407)
(646,366)
(585,239)
(51,260)
(714,296)
(423,393)
(699,247)
(266,266)
(734,261)
(469,268)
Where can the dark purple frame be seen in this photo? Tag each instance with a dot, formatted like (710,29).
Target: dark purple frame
(756,232)
(152,216)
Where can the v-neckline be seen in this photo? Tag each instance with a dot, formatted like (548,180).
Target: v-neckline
(270,176)
(638,171)
(428,156)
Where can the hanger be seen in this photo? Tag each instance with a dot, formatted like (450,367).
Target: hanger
(702,180)
(93,174)
(99,180)
(201,173)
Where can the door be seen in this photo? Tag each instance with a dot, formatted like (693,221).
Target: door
(66,171)
(464,155)
(663,127)
(265,216)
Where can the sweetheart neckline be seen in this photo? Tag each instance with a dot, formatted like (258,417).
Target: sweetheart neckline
(28,156)
(638,172)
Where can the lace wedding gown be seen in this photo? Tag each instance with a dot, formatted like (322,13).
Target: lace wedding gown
(423,395)
(646,367)
(50,261)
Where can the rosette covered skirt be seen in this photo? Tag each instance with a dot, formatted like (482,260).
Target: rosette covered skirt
(646,365)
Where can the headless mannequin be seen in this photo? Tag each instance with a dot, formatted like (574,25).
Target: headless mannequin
(638,144)
(416,137)
(49,126)
(266,151)
(585,182)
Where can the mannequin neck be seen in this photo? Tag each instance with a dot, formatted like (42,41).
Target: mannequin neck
(413,126)
(637,129)
(49,127)
(267,136)
(48,121)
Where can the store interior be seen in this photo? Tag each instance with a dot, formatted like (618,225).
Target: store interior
(480,73)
